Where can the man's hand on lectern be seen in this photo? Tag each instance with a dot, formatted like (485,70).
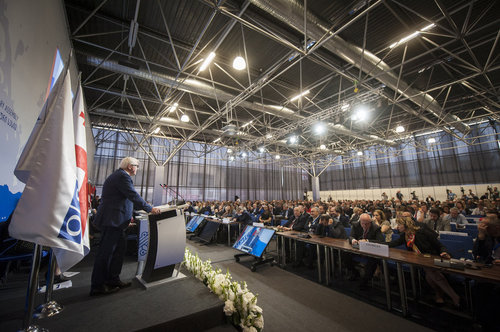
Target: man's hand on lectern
(155,210)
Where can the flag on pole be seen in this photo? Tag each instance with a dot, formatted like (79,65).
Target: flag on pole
(48,212)
(65,257)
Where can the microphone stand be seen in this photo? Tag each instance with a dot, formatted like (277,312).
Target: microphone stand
(175,194)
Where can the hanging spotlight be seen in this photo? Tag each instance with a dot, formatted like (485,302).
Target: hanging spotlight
(400,129)
(239,63)
(231,158)
(292,139)
(262,149)
(173,107)
(229,151)
(319,128)
(207,61)
(277,156)
(431,140)
(360,113)
(185,118)
(360,153)
(322,147)
(268,136)
(243,154)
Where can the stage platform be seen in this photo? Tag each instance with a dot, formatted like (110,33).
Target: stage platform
(181,305)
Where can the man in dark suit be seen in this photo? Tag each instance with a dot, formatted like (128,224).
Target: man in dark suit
(119,199)
(287,212)
(365,230)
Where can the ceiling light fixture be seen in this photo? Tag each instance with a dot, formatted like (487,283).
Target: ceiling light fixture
(344,106)
(431,140)
(300,95)
(231,158)
(244,155)
(247,124)
(277,156)
(229,151)
(292,139)
(319,128)
(400,129)
(207,61)
(360,114)
(185,118)
(360,153)
(268,136)
(218,139)
(322,147)
(157,130)
(262,149)
(413,35)
(173,108)
(239,63)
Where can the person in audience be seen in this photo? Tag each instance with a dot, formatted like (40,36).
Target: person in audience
(422,241)
(429,199)
(205,209)
(385,226)
(399,195)
(314,220)
(422,213)
(451,195)
(228,212)
(479,210)
(287,212)
(296,223)
(343,218)
(119,198)
(461,208)
(328,227)
(242,216)
(384,196)
(436,223)
(366,230)
(266,216)
(446,210)
(456,217)
(355,216)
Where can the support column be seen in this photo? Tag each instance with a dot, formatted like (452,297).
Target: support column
(315,187)
(159,194)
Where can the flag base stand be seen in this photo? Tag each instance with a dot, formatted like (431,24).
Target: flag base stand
(34,328)
(48,309)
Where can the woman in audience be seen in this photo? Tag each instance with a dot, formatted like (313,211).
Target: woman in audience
(461,208)
(423,240)
(479,210)
(383,223)
(266,216)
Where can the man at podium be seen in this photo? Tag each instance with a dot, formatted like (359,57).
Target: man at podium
(114,214)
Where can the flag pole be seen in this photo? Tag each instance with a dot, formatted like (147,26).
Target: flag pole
(50,307)
(30,294)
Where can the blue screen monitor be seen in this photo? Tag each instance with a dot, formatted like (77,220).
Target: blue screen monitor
(253,240)
(194,223)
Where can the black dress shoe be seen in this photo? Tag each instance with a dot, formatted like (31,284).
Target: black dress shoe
(103,290)
(60,278)
(120,284)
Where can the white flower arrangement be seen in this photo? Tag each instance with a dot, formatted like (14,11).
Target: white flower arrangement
(239,303)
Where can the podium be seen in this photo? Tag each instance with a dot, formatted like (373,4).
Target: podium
(162,242)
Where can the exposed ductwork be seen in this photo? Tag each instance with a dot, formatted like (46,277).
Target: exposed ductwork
(291,12)
(208,91)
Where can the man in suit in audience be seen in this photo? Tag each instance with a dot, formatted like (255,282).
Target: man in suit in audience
(366,230)
(296,223)
(435,222)
(314,220)
(119,199)
(287,212)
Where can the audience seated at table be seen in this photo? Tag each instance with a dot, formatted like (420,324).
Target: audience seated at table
(266,216)
(436,223)
(456,217)
(420,239)
(385,226)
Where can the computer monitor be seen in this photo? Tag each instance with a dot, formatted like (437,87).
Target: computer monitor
(208,231)
(254,240)
(194,223)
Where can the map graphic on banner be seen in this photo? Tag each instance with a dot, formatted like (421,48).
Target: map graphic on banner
(10,127)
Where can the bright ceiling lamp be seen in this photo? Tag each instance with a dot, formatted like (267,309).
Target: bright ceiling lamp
(229,151)
(360,153)
(268,136)
(413,35)
(262,149)
(300,95)
(239,63)
(344,107)
(431,140)
(292,139)
(157,130)
(185,118)
(319,128)
(244,155)
(173,108)
(400,129)
(207,61)
(360,113)
(231,158)
(277,156)
(322,147)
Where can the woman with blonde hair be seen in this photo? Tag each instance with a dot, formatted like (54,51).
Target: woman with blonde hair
(419,238)
(383,223)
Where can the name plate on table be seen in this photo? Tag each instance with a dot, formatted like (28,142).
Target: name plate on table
(258,224)
(226,220)
(374,248)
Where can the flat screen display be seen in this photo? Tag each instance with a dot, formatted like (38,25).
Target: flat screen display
(253,240)
(194,223)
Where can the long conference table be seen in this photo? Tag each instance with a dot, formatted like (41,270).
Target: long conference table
(400,257)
